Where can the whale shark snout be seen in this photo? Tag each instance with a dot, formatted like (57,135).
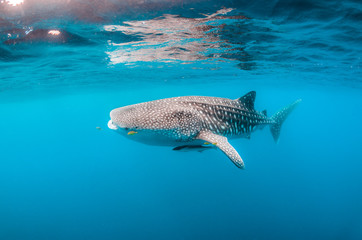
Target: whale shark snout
(119,119)
(111,125)
(123,118)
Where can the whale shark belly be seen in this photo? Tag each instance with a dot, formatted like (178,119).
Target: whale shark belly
(161,138)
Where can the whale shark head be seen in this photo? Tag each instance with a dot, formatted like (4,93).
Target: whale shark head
(160,122)
(125,118)
(141,123)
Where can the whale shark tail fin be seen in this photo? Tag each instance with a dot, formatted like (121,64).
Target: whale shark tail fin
(279,117)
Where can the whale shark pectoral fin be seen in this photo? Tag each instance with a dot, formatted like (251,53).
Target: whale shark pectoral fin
(222,143)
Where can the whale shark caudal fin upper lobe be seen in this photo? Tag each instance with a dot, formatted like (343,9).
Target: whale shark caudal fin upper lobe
(279,118)
(222,143)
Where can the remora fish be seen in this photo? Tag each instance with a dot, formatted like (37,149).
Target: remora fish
(199,148)
(192,120)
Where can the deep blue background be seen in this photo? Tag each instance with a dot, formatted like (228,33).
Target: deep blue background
(61,178)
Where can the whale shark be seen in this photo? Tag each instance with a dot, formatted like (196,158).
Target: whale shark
(196,122)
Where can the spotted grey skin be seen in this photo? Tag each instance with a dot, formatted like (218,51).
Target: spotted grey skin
(194,120)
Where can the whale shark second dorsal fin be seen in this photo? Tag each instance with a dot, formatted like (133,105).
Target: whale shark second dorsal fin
(248,100)
(264,112)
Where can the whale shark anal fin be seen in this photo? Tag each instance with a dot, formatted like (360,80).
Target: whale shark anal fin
(222,143)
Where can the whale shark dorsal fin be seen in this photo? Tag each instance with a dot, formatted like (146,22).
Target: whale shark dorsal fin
(248,99)
(222,143)
(264,112)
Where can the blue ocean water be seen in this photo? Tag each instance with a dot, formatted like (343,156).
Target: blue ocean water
(64,65)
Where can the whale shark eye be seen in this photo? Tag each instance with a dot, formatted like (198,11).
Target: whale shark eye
(126,128)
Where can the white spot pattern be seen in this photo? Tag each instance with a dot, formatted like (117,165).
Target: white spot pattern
(184,119)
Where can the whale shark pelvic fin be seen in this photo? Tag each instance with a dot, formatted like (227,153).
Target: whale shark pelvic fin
(222,143)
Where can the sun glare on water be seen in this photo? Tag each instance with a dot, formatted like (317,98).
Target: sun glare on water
(14,2)
(54,32)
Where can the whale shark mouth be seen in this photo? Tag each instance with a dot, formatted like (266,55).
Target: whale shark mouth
(112,126)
